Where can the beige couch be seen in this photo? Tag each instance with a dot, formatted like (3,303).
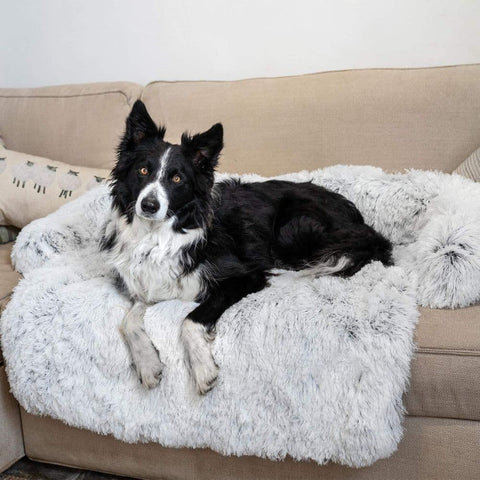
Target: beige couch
(395,119)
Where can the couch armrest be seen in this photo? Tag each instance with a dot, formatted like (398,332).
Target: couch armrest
(11,437)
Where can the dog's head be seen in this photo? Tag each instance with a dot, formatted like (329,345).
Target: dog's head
(156,180)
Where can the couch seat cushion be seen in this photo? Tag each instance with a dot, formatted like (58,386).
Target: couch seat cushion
(444,378)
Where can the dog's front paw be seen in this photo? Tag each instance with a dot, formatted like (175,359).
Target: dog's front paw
(198,355)
(149,369)
(204,374)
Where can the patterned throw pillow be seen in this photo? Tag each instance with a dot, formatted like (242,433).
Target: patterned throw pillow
(470,167)
(32,187)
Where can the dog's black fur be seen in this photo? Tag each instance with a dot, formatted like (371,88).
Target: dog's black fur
(248,228)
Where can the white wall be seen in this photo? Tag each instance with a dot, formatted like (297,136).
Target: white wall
(47,42)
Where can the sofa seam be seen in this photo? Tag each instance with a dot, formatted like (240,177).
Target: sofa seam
(443,417)
(128,97)
(393,69)
(446,351)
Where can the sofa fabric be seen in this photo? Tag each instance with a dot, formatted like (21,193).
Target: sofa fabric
(11,441)
(395,119)
(76,124)
(444,380)
(470,167)
(449,331)
(444,385)
(432,448)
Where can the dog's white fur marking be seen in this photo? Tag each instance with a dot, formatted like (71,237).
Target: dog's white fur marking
(157,190)
(144,354)
(196,342)
(327,267)
(147,255)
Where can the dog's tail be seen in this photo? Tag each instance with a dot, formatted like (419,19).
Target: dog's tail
(331,265)
(349,250)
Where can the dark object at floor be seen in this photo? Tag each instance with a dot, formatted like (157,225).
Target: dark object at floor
(26,469)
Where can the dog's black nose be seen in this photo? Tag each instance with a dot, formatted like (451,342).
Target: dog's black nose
(150,205)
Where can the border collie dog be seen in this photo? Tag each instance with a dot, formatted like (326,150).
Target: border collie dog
(175,233)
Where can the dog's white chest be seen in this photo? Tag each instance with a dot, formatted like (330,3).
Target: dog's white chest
(151,260)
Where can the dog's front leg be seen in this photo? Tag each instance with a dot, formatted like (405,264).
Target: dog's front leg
(197,339)
(198,328)
(144,354)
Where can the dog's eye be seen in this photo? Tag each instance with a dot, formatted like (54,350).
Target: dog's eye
(176,179)
(143,171)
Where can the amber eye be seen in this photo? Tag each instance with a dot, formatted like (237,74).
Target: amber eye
(176,179)
(143,171)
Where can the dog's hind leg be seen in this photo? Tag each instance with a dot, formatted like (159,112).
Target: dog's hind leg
(144,354)
(198,328)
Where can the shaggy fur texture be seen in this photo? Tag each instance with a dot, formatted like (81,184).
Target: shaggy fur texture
(316,373)
(432,218)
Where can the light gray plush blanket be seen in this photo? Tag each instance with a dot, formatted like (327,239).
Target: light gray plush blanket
(311,368)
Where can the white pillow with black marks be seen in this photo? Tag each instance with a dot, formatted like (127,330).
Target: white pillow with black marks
(33,187)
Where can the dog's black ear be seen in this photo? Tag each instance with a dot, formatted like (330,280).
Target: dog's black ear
(140,126)
(204,148)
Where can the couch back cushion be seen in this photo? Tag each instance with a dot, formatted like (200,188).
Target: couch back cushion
(76,124)
(409,118)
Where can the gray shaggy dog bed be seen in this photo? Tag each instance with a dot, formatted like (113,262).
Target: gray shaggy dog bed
(314,368)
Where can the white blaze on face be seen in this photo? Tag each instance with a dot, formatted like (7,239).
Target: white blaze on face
(156,190)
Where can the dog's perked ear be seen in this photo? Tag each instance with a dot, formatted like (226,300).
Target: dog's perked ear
(204,148)
(139,126)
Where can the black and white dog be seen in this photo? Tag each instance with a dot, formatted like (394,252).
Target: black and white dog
(174,233)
